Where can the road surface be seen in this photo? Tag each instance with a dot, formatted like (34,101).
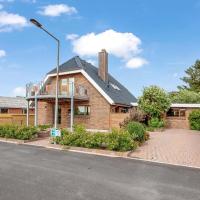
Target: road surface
(34,173)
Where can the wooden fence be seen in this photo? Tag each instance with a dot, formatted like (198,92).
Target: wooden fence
(17,119)
(117,118)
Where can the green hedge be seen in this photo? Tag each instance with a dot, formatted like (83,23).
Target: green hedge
(194,119)
(18,132)
(117,140)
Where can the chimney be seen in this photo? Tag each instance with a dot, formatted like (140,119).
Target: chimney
(103,65)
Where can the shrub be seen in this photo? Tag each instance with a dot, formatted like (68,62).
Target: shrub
(194,119)
(155,122)
(120,140)
(135,115)
(117,140)
(18,132)
(136,130)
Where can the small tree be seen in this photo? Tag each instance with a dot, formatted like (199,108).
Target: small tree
(154,101)
(192,79)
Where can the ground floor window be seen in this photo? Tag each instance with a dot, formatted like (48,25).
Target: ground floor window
(3,110)
(176,112)
(82,110)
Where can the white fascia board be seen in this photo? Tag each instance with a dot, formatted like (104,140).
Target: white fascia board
(61,73)
(176,105)
(97,87)
(135,104)
(184,105)
(88,78)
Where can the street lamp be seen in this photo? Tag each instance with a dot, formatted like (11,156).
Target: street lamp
(37,24)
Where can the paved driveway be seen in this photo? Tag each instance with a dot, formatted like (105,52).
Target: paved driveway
(34,173)
(175,146)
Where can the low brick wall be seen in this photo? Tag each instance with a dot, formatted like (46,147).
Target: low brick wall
(117,118)
(17,119)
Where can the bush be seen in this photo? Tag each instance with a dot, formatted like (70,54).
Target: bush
(18,132)
(194,119)
(120,140)
(136,130)
(135,115)
(117,140)
(155,122)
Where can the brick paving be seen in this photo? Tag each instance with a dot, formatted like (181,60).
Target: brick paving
(173,146)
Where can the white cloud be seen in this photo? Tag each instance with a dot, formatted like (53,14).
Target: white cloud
(125,46)
(19,91)
(71,36)
(2,53)
(93,62)
(10,21)
(136,62)
(57,9)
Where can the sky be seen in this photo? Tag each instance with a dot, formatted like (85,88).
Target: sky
(149,42)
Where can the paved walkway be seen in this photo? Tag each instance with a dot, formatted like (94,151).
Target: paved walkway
(174,146)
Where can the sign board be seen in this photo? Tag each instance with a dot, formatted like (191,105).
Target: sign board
(55,132)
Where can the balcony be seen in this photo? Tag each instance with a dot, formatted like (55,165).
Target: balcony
(48,91)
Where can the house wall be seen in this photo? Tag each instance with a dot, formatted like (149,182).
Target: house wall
(45,112)
(99,117)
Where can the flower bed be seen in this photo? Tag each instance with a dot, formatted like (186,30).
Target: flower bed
(117,140)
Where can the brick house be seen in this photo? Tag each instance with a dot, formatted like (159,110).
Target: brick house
(13,111)
(14,105)
(99,101)
(177,115)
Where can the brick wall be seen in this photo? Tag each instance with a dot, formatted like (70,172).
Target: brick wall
(45,112)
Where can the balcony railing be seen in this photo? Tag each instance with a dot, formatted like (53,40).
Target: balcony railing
(49,90)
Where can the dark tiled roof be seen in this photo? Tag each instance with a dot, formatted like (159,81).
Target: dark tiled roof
(13,102)
(120,95)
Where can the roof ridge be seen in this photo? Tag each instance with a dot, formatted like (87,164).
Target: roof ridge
(78,61)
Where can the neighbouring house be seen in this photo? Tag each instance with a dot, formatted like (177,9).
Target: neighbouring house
(13,110)
(177,115)
(87,95)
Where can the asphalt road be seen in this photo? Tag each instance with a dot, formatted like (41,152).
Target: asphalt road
(28,173)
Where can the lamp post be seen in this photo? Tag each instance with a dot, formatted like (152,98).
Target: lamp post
(37,24)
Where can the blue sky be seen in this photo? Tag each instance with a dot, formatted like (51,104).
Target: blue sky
(150,42)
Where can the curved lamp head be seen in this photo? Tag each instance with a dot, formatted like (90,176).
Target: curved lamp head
(36,23)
